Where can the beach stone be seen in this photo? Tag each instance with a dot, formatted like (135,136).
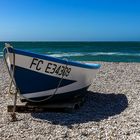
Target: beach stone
(111,110)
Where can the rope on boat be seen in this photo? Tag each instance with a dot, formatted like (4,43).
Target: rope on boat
(13,81)
(11,73)
(13,115)
(48,98)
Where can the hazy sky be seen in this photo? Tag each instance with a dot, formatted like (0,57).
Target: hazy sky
(69,20)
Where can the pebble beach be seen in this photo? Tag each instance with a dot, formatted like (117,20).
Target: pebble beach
(111,110)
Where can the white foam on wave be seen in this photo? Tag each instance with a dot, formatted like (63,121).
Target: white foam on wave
(67,54)
(76,54)
(94,54)
(115,53)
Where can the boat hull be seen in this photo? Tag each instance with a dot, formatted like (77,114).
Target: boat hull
(41,78)
(64,97)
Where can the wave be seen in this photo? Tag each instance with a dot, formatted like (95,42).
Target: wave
(94,54)
(76,54)
(116,53)
(66,54)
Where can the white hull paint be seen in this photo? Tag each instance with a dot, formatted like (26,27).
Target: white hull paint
(82,76)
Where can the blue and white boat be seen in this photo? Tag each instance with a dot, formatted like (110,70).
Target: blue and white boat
(42,77)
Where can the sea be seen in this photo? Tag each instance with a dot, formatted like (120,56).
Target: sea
(83,51)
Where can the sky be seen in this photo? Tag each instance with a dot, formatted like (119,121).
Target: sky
(69,20)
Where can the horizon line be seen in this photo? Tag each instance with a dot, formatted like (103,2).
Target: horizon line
(69,41)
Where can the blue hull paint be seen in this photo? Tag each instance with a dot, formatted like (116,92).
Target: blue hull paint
(57,60)
(29,81)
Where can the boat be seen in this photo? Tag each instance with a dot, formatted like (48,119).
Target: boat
(41,78)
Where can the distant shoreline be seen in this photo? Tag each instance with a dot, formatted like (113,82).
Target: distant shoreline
(55,41)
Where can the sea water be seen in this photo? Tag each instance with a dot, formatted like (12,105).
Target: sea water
(83,51)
